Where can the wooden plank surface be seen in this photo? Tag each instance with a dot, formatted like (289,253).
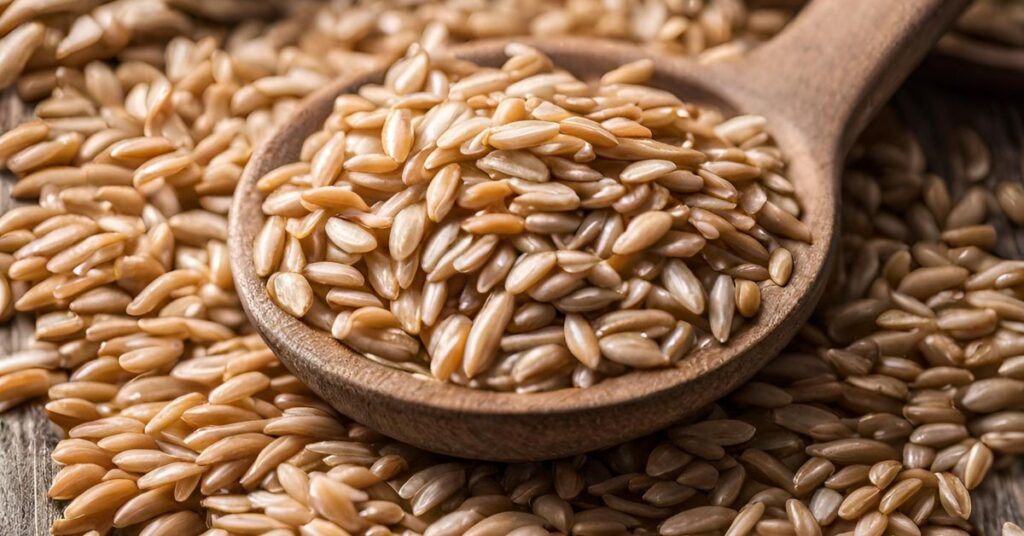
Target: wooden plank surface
(27,438)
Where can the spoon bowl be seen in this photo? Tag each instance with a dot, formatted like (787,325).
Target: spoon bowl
(813,114)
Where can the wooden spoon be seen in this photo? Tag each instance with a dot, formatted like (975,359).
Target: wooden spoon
(818,83)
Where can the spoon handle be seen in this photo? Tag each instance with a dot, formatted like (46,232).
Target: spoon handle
(840,60)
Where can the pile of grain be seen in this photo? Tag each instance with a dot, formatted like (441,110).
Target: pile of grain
(531,231)
(39,37)
(880,419)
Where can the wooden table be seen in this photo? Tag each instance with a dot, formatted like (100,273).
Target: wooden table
(26,437)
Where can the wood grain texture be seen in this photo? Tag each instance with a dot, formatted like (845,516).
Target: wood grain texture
(816,83)
(26,438)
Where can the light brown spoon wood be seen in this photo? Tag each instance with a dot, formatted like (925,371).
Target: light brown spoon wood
(817,83)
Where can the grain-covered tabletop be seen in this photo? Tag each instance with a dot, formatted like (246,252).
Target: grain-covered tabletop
(933,112)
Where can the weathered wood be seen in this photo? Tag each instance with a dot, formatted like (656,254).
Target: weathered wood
(26,438)
(999,499)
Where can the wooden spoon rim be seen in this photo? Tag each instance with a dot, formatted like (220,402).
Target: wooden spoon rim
(341,368)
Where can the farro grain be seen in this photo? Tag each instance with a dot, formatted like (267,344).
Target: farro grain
(969,210)
(858,502)
(248,523)
(883,473)
(825,504)
(948,457)
(763,395)
(144,507)
(485,334)
(775,527)
(804,523)
(632,349)
(637,72)
(17,47)
(291,292)
(768,468)
(729,486)
(872,524)
(167,474)
(811,475)
(26,359)
(582,341)
(898,494)
(678,341)
(529,270)
(700,475)
(15,140)
(26,383)
(504,523)
(976,464)
(721,306)
(746,519)
(156,292)
(993,394)
(668,493)
(72,480)
(955,499)
(103,496)
(902,525)
(748,298)
(1010,197)
(700,519)
(974,152)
